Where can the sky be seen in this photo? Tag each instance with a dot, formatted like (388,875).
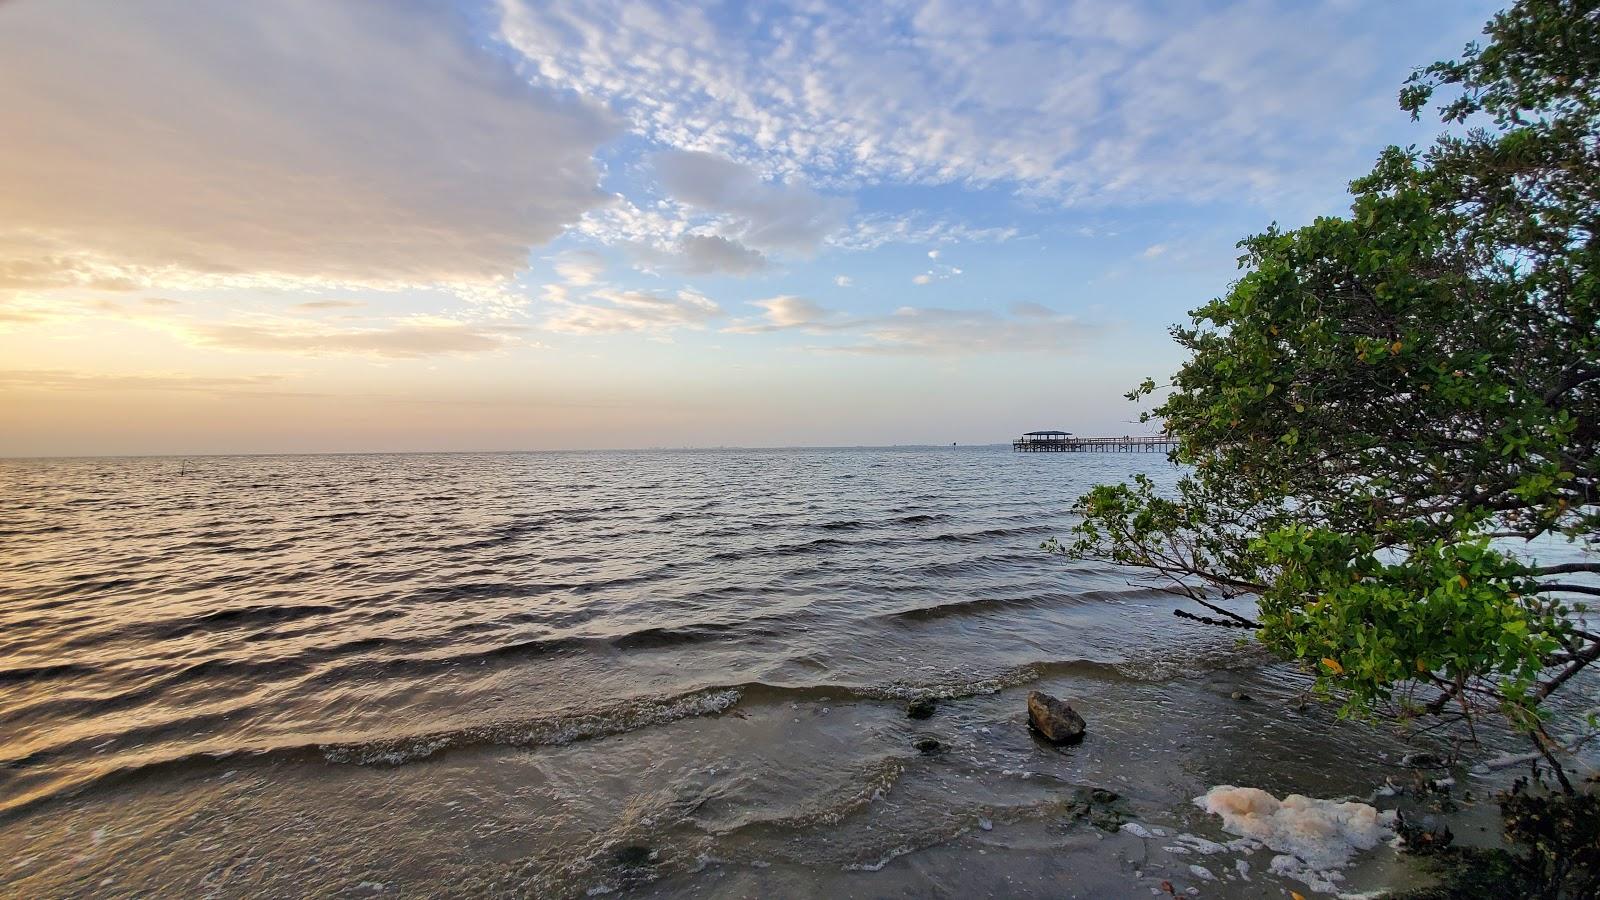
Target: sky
(353,225)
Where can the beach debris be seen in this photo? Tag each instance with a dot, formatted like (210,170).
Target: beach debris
(1053,719)
(985,824)
(921,708)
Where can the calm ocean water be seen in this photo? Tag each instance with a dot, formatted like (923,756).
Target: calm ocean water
(553,674)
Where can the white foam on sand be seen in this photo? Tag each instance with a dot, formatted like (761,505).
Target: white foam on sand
(1316,837)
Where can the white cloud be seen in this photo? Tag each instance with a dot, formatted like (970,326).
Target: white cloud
(1028,328)
(612,312)
(870,232)
(769,216)
(843,281)
(933,254)
(296,143)
(1154,250)
(580,267)
(398,340)
(786,312)
(927,331)
(1080,101)
(923,278)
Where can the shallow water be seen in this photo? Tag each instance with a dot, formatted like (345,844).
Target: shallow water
(672,673)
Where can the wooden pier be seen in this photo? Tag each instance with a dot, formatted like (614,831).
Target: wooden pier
(1066,442)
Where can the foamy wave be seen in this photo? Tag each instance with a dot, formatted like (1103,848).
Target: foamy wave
(1314,838)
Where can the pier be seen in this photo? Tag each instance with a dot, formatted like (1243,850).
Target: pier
(1067,442)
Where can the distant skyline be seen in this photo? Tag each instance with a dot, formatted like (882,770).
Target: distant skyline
(350,225)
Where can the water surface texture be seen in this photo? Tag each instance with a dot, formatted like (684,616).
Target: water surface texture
(553,674)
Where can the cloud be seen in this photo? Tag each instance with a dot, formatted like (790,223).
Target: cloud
(1154,250)
(401,339)
(330,304)
(933,254)
(297,143)
(912,331)
(580,267)
(843,281)
(787,312)
(923,331)
(64,380)
(776,217)
(870,232)
(1080,101)
(937,273)
(613,312)
(711,255)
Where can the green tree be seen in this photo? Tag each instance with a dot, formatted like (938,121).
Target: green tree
(1385,406)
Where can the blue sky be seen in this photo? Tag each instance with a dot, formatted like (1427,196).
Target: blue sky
(350,225)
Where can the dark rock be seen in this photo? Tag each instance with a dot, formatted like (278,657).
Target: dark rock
(1421,760)
(1101,795)
(929,746)
(1242,697)
(921,708)
(1423,836)
(634,856)
(1054,720)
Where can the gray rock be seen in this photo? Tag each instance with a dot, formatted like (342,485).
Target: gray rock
(1421,760)
(921,708)
(1054,720)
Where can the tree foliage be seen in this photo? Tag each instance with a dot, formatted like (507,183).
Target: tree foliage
(1387,407)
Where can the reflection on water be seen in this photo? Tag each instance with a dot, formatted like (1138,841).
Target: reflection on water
(556,673)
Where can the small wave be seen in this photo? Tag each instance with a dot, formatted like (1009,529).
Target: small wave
(43,673)
(982,605)
(239,617)
(552,730)
(674,636)
(798,548)
(989,534)
(858,790)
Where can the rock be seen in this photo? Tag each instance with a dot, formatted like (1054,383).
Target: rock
(1419,760)
(920,708)
(1242,697)
(929,746)
(1423,836)
(1101,795)
(634,856)
(1054,720)
(985,824)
